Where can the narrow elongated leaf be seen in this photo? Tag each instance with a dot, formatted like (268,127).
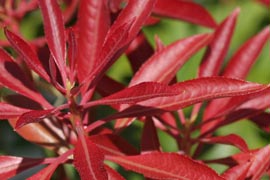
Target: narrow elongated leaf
(238,172)
(184,10)
(244,58)
(165,166)
(112,174)
(88,160)
(123,30)
(139,51)
(9,111)
(238,67)
(93,24)
(113,145)
(139,92)
(54,33)
(194,91)
(11,165)
(231,139)
(14,78)
(169,60)
(217,50)
(32,117)
(149,140)
(29,56)
(260,163)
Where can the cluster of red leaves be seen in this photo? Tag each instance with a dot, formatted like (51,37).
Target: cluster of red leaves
(73,61)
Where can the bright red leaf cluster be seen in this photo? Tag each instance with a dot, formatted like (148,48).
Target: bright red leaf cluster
(73,60)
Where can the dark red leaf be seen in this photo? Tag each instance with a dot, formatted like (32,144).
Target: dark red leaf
(112,174)
(244,58)
(265,2)
(32,117)
(9,111)
(11,165)
(113,145)
(238,172)
(260,163)
(169,60)
(165,166)
(183,10)
(149,140)
(231,139)
(88,160)
(122,32)
(193,91)
(217,49)
(54,33)
(47,172)
(139,51)
(29,56)
(134,94)
(14,78)
(93,24)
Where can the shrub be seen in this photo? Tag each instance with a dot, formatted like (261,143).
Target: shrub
(81,41)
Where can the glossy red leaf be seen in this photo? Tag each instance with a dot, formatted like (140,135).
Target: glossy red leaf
(238,172)
(14,78)
(88,160)
(112,174)
(139,51)
(28,54)
(165,166)
(184,10)
(124,29)
(139,92)
(244,58)
(169,60)
(231,139)
(149,140)
(113,145)
(9,111)
(47,172)
(260,163)
(32,117)
(93,24)
(54,33)
(218,48)
(194,91)
(11,165)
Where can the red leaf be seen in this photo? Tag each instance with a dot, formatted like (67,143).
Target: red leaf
(217,49)
(265,2)
(139,51)
(238,172)
(184,10)
(243,59)
(54,33)
(134,94)
(32,117)
(169,60)
(9,111)
(231,139)
(165,166)
(88,160)
(29,56)
(260,163)
(113,145)
(194,91)
(46,173)
(14,78)
(124,29)
(149,140)
(112,174)
(11,165)
(93,24)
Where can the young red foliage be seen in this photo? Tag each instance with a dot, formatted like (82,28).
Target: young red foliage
(82,41)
